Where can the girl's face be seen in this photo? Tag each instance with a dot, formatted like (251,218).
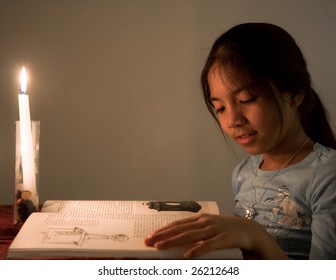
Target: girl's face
(253,119)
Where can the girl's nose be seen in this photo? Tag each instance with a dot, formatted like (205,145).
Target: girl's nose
(236,119)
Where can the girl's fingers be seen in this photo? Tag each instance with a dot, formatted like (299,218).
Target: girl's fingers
(171,237)
(220,241)
(181,235)
(178,223)
(182,239)
(171,230)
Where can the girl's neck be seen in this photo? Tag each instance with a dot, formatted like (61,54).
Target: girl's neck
(290,154)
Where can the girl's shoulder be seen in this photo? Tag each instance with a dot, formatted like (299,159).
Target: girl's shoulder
(320,158)
(325,153)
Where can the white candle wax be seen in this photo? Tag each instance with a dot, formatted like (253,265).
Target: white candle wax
(27,149)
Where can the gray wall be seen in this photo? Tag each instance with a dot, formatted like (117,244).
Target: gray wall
(115,84)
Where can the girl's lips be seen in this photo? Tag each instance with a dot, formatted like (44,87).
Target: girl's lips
(246,139)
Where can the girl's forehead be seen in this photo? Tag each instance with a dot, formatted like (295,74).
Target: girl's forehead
(221,79)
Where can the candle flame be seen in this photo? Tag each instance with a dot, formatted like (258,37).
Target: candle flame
(23,81)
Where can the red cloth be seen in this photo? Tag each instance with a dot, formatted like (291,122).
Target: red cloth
(8,229)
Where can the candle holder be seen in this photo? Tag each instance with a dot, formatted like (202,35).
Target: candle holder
(26,197)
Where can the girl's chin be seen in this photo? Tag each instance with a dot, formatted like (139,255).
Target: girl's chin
(253,150)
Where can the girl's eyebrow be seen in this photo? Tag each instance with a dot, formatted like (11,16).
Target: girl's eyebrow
(234,92)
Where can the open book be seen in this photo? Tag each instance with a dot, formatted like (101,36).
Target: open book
(105,229)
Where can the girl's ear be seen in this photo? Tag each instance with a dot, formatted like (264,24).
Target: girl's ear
(297,99)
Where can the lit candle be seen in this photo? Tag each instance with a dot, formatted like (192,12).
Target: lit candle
(28,162)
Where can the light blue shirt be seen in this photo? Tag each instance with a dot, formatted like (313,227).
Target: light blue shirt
(297,206)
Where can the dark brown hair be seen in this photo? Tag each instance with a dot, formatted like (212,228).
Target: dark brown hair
(265,55)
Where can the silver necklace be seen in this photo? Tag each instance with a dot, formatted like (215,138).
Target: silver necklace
(251,212)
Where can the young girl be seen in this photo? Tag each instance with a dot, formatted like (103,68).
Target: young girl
(256,85)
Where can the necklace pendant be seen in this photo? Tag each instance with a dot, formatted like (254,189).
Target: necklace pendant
(250,213)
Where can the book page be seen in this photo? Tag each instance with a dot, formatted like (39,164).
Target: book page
(80,232)
(139,225)
(103,229)
(58,234)
(151,207)
(146,216)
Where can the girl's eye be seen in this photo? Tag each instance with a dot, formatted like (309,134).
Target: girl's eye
(220,110)
(248,101)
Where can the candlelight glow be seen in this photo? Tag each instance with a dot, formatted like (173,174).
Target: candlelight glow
(23,81)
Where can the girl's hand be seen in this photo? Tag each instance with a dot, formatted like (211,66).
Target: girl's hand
(205,233)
